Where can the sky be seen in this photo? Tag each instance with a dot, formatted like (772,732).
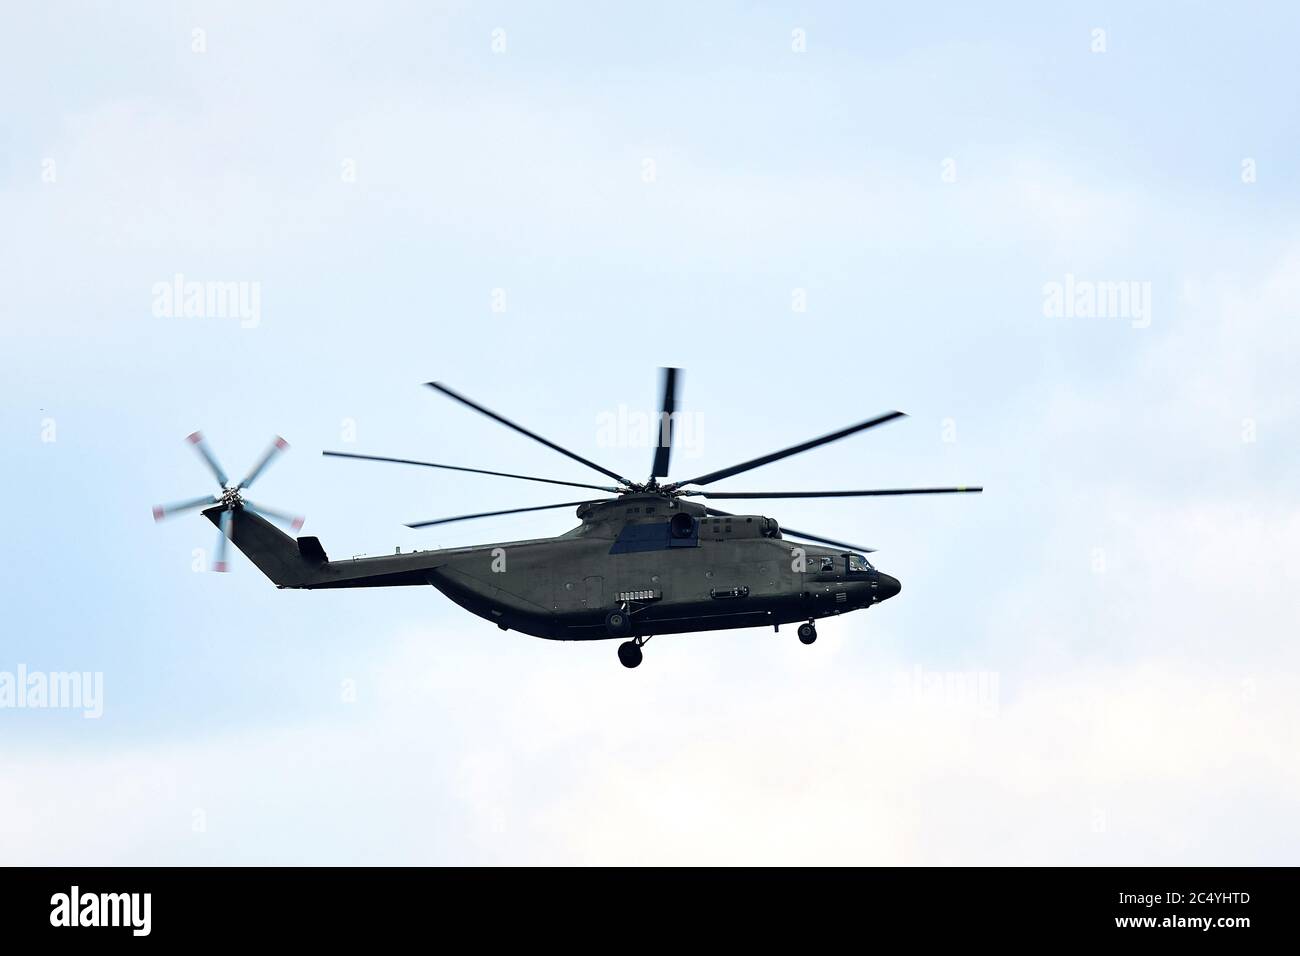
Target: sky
(820,212)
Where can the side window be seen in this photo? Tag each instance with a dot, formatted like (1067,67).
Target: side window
(824,565)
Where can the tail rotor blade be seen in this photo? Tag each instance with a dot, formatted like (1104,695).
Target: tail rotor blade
(223,536)
(167,511)
(277,446)
(294,522)
(205,452)
(664,437)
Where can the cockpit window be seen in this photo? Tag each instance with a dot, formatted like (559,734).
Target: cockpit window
(860,564)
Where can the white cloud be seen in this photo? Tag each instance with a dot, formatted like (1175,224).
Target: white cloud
(676,763)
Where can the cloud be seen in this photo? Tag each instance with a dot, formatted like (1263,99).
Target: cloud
(1156,761)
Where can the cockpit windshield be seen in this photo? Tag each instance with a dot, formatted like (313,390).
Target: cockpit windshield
(859,563)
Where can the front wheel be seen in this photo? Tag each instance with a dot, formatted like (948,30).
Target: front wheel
(807,632)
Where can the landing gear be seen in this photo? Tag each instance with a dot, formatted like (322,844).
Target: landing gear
(629,653)
(618,624)
(807,633)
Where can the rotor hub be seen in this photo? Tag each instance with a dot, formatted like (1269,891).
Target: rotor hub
(651,487)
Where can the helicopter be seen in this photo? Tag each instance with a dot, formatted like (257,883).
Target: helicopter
(645,559)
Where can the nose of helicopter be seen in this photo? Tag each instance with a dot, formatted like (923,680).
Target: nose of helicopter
(887,587)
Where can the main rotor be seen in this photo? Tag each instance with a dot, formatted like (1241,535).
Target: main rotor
(659,467)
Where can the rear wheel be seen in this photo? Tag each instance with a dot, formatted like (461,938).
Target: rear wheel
(808,632)
(629,654)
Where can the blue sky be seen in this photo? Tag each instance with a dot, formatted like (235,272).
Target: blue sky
(1129,576)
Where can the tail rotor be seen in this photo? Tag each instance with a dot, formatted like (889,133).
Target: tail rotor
(230,497)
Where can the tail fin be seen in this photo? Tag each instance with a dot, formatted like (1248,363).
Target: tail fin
(287,562)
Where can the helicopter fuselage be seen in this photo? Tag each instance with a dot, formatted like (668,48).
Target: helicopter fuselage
(545,589)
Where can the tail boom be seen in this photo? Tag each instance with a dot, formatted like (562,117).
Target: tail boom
(302,562)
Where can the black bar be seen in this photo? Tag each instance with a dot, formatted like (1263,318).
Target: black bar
(541,908)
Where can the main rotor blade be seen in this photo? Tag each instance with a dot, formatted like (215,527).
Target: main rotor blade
(438,386)
(167,511)
(294,522)
(201,446)
(277,446)
(664,441)
(223,534)
(476,471)
(800,534)
(793,450)
(841,494)
(833,544)
(508,511)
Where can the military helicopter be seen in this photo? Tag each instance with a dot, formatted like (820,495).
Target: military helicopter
(644,560)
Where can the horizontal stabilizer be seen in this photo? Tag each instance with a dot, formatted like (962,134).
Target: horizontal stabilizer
(311,550)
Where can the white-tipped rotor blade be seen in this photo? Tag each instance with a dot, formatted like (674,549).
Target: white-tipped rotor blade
(277,445)
(293,522)
(167,511)
(201,446)
(223,536)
